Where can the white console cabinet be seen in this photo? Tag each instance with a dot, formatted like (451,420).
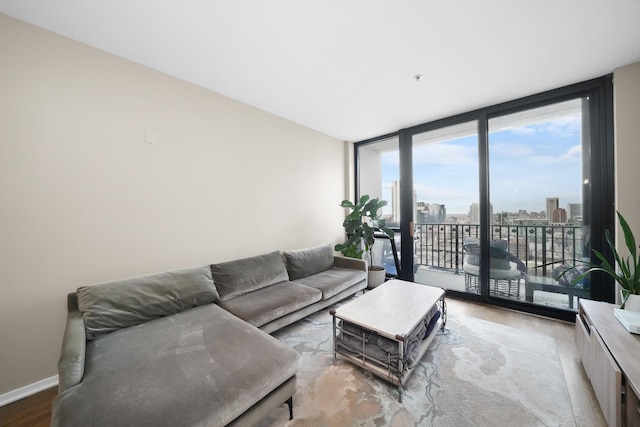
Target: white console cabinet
(611,358)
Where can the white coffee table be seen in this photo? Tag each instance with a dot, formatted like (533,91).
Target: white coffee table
(392,310)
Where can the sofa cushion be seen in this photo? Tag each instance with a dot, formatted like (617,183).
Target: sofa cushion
(333,281)
(305,262)
(118,304)
(264,305)
(496,243)
(494,273)
(238,277)
(200,367)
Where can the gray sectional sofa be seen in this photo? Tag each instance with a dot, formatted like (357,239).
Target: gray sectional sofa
(191,347)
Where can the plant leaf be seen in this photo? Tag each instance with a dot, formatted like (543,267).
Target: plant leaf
(385,230)
(360,225)
(628,236)
(632,261)
(346,204)
(362,201)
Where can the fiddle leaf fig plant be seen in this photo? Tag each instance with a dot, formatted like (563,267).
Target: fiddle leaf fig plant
(627,275)
(360,225)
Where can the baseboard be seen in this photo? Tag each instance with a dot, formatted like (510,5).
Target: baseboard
(28,390)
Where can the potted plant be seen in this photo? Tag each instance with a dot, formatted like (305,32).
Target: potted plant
(360,225)
(627,275)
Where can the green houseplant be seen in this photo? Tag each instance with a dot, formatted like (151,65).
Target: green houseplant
(627,275)
(360,225)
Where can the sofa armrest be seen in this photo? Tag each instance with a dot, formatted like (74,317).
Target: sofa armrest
(353,263)
(71,362)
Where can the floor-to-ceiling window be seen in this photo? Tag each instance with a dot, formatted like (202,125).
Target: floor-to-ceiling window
(379,177)
(493,204)
(445,203)
(379,174)
(536,177)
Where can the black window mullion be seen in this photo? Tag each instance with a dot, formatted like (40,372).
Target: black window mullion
(485,219)
(406,206)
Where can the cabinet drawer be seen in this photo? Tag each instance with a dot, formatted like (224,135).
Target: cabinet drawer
(583,341)
(609,353)
(632,410)
(606,379)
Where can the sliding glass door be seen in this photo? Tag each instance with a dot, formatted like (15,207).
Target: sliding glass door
(495,204)
(537,174)
(445,203)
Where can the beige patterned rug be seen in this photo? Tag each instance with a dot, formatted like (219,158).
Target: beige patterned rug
(476,374)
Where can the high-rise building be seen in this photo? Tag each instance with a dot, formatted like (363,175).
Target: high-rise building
(436,213)
(395,201)
(559,216)
(414,205)
(574,211)
(553,203)
(474,213)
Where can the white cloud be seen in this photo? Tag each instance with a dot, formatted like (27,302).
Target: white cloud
(523,130)
(445,154)
(572,155)
(439,153)
(454,197)
(562,127)
(516,149)
(391,158)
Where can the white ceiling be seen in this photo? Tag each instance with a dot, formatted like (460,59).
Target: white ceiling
(347,67)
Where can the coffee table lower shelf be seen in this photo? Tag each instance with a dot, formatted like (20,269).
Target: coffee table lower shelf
(386,373)
(394,370)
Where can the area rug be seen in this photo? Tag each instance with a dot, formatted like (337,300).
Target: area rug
(476,373)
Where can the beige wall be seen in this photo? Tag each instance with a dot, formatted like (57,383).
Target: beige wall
(84,199)
(371,182)
(626,83)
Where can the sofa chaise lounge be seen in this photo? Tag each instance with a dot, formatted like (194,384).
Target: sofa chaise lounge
(190,347)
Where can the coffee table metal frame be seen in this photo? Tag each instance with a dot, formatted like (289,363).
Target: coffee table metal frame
(395,299)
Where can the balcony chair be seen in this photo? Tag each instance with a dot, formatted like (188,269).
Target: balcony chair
(505,269)
(560,283)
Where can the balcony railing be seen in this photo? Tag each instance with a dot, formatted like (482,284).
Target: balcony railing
(540,247)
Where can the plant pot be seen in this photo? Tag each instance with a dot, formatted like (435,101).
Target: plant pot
(375,276)
(633,303)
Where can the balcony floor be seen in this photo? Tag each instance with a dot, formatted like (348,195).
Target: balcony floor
(452,281)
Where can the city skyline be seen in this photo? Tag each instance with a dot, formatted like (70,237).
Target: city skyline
(526,165)
(435,212)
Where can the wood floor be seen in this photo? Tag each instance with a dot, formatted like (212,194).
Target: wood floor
(36,410)
(586,410)
(31,411)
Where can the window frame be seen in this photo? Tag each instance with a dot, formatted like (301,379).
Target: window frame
(601,203)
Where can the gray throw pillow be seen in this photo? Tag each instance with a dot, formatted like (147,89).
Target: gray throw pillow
(566,274)
(119,304)
(305,262)
(239,277)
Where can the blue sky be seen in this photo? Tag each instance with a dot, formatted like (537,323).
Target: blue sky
(527,164)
